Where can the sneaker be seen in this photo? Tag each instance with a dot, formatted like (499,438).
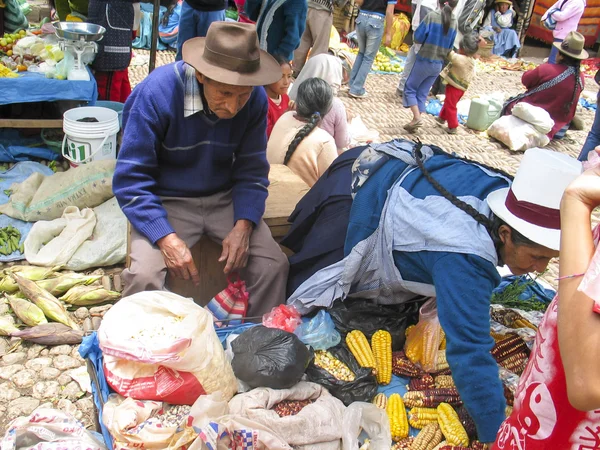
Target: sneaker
(353,95)
(451,130)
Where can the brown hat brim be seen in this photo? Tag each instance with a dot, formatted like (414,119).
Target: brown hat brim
(508,2)
(583,55)
(268,73)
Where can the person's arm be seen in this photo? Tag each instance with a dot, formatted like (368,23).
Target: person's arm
(422,31)
(294,22)
(531,78)
(326,156)
(555,6)
(464,285)
(341,135)
(571,8)
(578,325)
(389,22)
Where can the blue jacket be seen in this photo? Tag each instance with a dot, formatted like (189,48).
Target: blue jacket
(279,24)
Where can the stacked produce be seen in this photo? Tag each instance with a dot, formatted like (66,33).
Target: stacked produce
(32,294)
(8,40)
(10,241)
(386,60)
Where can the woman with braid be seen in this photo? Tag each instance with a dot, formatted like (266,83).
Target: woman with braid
(556,87)
(296,139)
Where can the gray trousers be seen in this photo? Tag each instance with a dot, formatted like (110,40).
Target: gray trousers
(412,53)
(191,218)
(316,35)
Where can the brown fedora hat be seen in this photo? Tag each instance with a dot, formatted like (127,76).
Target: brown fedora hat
(572,45)
(230,54)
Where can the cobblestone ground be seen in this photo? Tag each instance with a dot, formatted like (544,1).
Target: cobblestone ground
(33,375)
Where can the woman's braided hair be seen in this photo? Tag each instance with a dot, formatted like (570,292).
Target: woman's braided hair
(491,225)
(313,101)
(572,62)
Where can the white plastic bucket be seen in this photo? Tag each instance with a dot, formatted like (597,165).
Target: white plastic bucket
(90,141)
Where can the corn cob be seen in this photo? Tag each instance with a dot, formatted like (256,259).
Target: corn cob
(408,330)
(440,445)
(380,400)
(413,347)
(50,334)
(444,381)
(450,424)
(524,323)
(429,355)
(509,346)
(454,447)
(403,367)
(477,445)
(397,416)
(515,363)
(509,396)
(29,314)
(404,444)
(6,326)
(34,273)
(498,336)
(443,343)
(381,343)
(61,284)
(51,307)
(467,422)
(422,383)
(443,372)
(508,411)
(431,398)
(89,295)
(428,437)
(326,361)
(419,417)
(359,346)
(441,361)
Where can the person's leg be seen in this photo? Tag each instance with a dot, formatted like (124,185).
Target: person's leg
(430,73)
(267,269)
(593,138)
(306,42)
(321,32)
(373,33)
(205,18)
(187,27)
(453,96)
(553,52)
(147,270)
(408,65)
(361,23)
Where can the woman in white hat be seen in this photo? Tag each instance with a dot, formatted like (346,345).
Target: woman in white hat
(425,223)
(506,41)
(556,87)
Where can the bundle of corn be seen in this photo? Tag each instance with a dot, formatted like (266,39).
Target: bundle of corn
(50,334)
(428,438)
(516,363)
(511,353)
(33,273)
(51,307)
(467,422)
(404,367)
(89,295)
(62,283)
(381,344)
(451,426)
(359,346)
(340,371)
(29,313)
(397,416)
(431,398)
(422,383)
(511,319)
(404,444)
(441,361)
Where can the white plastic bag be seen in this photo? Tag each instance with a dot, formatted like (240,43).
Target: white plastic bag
(517,134)
(373,420)
(160,346)
(53,243)
(534,115)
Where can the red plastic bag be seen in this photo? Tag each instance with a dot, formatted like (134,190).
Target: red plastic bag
(284,317)
(231,302)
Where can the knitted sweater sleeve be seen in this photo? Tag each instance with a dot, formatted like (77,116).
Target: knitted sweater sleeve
(422,31)
(294,22)
(137,168)
(464,285)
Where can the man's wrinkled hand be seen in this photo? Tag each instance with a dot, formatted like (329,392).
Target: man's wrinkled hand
(236,246)
(178,258)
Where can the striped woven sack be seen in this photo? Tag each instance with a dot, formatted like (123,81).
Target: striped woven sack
(231,302)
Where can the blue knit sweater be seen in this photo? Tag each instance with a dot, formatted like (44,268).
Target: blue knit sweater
(463,282)
(435,44)
(164,153)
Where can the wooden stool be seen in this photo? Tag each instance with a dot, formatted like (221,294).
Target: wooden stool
(285,191)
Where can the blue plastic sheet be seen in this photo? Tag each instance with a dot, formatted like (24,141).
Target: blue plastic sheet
(90,349)
(31,87)
(534,291)
(18,173)
(16,153)
(587,104)
(434,107)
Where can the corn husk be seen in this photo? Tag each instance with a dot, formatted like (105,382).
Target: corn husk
(6,326)
(61,284)
(50,334)
(34,273)
(89,295)
(29,314)
(51,307)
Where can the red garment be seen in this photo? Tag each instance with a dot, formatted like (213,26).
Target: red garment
(275,111)
(543,418)
(113,86)
(239,4)
(449,111)
(554,99)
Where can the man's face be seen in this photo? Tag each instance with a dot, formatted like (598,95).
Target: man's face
(225,100)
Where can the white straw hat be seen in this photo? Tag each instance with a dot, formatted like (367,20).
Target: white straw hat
(532,204)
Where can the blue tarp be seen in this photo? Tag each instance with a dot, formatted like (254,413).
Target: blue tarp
(18,173)
(34,87)
(534,290)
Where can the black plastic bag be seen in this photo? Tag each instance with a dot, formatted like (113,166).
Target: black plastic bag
(269,357)
(366,316)
(362,389)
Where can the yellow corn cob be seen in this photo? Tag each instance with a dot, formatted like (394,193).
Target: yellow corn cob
(34,273)
(419,417)
(443,343)
(429,349)
(64,282)
(29,314)
(409,330)
(359,346)
(397,416)
(524,323)
(440,445)
(326,361)
(88,295)
(430,436)
(380,401)
(444,381)
(450,424)
(381,343)
(7,327)
(441,362)
(508,411)
(404,444)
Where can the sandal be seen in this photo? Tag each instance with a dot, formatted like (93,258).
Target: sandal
(411,128)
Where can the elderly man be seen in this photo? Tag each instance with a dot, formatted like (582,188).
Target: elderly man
(193,162)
